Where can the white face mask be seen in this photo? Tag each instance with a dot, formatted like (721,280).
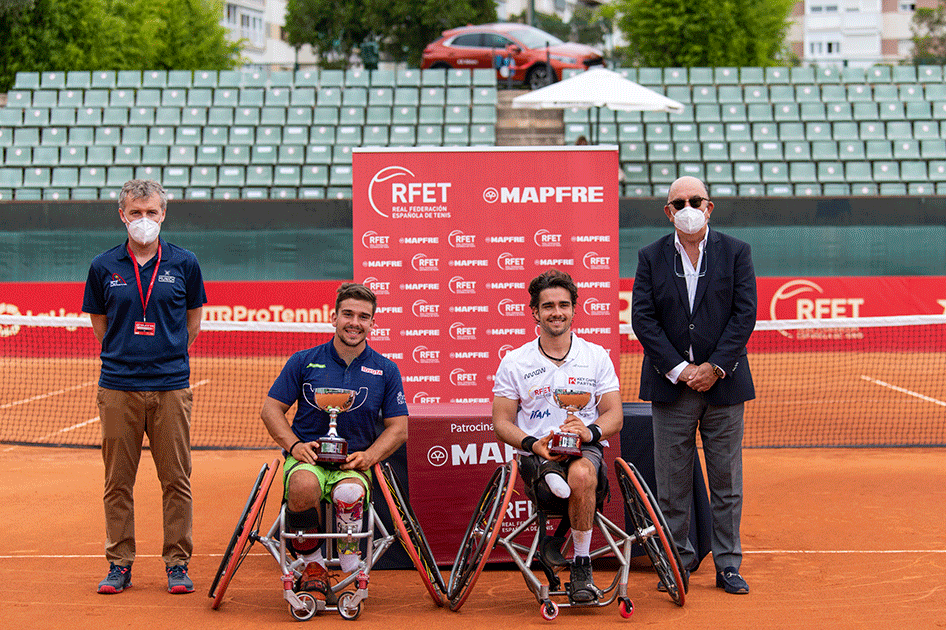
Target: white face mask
(144,230)
(689,220)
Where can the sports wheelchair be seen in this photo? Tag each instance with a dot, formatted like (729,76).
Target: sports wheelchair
(544,551)
(374,539)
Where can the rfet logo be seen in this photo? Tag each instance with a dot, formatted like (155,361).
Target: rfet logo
(508,308)
(422,354)
(380,334)
(544,238)
(373,240)
(423,308)
(592,260)
(592,306)
(462,378)
(377,286)
(459,286)
(786,303)
(423,398)
(508,262)
(422,262)
(458,239)
(461,332)
(392,191)
(503,350)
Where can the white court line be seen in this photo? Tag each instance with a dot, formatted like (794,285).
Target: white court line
(87,422)
(904,391)
(46,395)
(262,552)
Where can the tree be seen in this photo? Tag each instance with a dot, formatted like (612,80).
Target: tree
(42,35)
(929,35)
(688,33)
(333,29)
(550,23)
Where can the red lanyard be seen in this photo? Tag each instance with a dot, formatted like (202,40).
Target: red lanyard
(144,299)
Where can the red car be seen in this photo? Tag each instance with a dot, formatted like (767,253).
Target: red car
(538,56)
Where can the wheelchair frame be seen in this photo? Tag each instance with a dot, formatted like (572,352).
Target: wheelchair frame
(303,605)
(650,532)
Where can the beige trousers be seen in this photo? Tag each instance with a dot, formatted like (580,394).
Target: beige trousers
(125,418)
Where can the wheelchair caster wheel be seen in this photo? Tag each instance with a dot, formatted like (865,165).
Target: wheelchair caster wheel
(345,609)
(626,607)
(549,610)
(310,606)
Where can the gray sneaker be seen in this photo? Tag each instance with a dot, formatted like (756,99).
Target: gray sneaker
(582,587)
(178,582)
(117,580)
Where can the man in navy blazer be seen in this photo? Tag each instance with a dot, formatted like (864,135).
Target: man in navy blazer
(693,309)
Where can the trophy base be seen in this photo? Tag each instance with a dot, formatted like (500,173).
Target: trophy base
(334,450)
(565,444)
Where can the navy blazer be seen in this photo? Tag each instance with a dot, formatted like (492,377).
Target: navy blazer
(718,328)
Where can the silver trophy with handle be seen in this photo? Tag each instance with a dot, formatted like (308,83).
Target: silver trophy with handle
(571,400)
(333,401)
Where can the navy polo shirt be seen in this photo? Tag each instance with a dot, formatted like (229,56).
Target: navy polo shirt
(133,362)
(375,377)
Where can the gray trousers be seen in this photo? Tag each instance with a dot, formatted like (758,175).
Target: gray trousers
(721,429)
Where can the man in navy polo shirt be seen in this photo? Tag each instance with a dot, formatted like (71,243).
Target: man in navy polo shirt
(345,362)
(145,299)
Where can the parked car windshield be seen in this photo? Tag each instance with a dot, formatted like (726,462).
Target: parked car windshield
(534,38)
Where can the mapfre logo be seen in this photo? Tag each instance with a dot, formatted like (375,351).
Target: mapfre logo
(422,262)
(592,260)
(458,239)
(422,354)
(508,262)
(592,306)
(377,286)
(461,332)
(798,299)
(462,378)
(423,308)
(508,308)
(459,286)
(393,194)
(373,240)
(544,238)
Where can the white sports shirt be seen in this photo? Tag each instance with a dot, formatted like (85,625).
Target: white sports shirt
(526,375)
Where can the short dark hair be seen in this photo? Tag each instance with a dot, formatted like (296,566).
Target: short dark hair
(142,189)
(549,279)
(355,291)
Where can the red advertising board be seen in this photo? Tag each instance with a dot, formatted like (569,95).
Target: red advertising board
(450,238)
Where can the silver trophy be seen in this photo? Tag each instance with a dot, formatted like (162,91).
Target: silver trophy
(572,401)
(332,447)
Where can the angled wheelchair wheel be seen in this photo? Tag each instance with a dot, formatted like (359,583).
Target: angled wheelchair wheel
(410,533)
(244,533)
(481,534)
(652,532)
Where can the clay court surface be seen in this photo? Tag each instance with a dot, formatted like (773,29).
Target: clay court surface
(833,538)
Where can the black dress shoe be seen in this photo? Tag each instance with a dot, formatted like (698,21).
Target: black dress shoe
(730,580)
(685,575)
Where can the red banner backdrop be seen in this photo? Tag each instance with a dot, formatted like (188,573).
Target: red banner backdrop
(450,239)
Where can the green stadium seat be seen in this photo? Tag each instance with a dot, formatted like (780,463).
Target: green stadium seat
(231,175)
(331,97)
(62,117)
(429,135)
(939,110)
(108,136)
(802,172)
(215,135)
(314,175)
(675,76)
(253,79)
(148,98)
(913,171)
(913,92)
(433,77)
(141,116)
(769,151)
(11,117)
(828,74)
(35,117)
(26,81)
(742,152)
(483,114)
(173,97)
(355,97)
(700,76)
(406,97)
(838,111)
(851,150)
(88,117)
(45,156)
(154,79)
(114,116)
(933,149)
(632,152)
(893,189)
(52,80)
(706,112)
(651,77)
(755,94)
(899,130)
(704,94)
(738,132)
(919,110)
(226,97)
(402,135)
(92,176)
(682,132)
(872,130)
(381,97)
(57,136)
(260,174)
(747,173)
(431,96)
(65,177)
(906,150)
(28,194)
(845,130)
(70,98)
(378,116)
(719,173)
(679,93)
(484,96)
(927,74)
(277,97)
(287,175)
(926,129)
(824,150)
(779,190)
(272,116)
(72,156)
(410,116)
(6,137)
(154,155)
(776,75)
(686,151)
(656,132)
(864,189)
(168,116)
(409,77)
(663,172)
(831,172)
(459,96)
(460,77)
(456,135)
(295,135)
(377,135)
(101,80)
(354,115)
(340,175)
(629,132)
(856,172)
(715,151)
(750,74)
(818,131)
(722,76)
(935,92)
(484,77)
(802,74)
(325,116)
(903,74)
(306,78)
(812,112)
(937,171)
(428,115)
(182,155)
(886,92)
(481,135)
(357,77)
(660,152)
(729,94)
(711,132)
(127,155)
(159,135)
(19,156)
(751,190)
(920,189)
(302,97)
(322,134)
(456,115)
(807,190)
(850,74)
(636,190)
(859,94)
(299,116)
(251,97)
(348,135)
(732,112)
(807,93)
(834,189)
(290,154)
(781,94)
(242,135)
(204,79)
(18,100)
(723,190)
(691,169)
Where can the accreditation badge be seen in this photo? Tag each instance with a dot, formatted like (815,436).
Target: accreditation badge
(144,328)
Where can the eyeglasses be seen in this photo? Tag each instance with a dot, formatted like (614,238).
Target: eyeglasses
(678,266)
(695,202)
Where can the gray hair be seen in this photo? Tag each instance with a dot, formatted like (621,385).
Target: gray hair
(142,189)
